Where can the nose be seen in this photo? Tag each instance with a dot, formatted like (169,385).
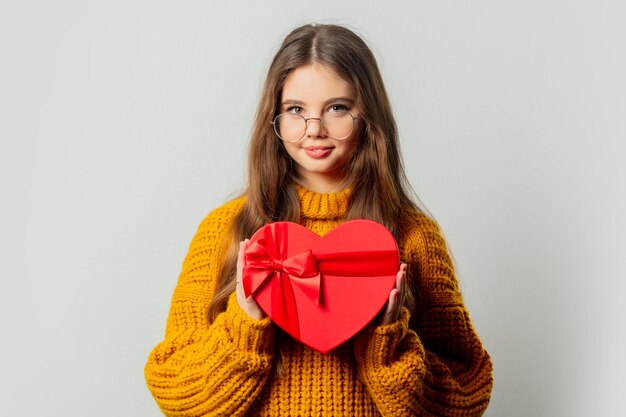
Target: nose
(314,127)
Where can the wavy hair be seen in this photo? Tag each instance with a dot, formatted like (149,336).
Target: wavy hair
(375,171)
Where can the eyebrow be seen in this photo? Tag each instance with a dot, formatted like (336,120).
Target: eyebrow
(330,100)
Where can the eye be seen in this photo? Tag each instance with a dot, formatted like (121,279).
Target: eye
(294,109)
(338,108)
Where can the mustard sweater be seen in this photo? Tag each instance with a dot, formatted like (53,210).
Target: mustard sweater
(428,363)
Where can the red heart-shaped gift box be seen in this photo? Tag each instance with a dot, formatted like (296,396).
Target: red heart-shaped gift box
(321,290)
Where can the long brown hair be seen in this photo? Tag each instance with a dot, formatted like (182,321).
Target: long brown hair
(375,171)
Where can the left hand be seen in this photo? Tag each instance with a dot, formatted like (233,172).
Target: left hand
(396,298)
(247,304)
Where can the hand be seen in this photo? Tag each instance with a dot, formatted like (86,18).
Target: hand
(396,298)
(248,305)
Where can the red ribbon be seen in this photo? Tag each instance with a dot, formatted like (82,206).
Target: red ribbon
(267,262)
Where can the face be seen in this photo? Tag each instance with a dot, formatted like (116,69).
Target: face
(312,91)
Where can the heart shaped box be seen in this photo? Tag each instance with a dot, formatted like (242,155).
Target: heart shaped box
(321,290)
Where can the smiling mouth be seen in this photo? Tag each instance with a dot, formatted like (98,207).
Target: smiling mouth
(318,151)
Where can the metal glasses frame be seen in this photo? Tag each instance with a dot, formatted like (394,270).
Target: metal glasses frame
(306,126)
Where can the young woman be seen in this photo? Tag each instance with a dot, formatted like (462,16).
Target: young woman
(324,149)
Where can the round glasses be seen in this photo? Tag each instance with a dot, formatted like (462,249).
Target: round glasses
(291,127)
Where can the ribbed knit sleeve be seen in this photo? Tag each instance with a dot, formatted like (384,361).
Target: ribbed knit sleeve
(431,364)
(201,369)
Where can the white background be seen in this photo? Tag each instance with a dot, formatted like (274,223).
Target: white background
(123,123)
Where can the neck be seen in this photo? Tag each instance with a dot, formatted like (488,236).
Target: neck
(322,183)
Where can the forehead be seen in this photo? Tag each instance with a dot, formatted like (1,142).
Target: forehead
(315,83)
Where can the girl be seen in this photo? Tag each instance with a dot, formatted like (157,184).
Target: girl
(324,149)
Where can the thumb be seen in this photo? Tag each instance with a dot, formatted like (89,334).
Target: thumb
(241,259)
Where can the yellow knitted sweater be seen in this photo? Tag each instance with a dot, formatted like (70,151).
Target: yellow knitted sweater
(428,363)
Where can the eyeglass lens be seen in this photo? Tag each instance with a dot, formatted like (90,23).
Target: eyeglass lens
(291,127)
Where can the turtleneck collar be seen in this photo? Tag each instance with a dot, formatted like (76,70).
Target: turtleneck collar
(323,206)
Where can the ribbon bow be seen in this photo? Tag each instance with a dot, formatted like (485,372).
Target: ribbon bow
(266,260)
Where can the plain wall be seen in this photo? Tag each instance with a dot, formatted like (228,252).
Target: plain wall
(125,122)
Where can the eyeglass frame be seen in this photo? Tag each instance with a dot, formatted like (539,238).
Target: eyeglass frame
(306,126)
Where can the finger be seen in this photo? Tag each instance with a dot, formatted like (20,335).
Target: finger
(400,279)
(240,254)
(240,265)
(400,294)
(391,304)
(403,284)
(393,300)
(401,271)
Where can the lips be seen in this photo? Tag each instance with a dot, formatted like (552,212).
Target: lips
(318,151)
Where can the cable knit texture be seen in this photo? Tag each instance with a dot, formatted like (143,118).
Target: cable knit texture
(428,363)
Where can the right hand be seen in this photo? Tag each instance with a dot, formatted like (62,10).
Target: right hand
(248,305)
